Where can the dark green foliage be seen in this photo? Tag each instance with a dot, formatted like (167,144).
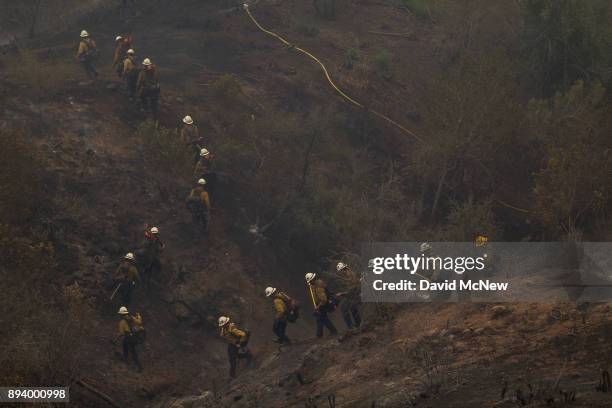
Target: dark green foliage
(227,88)
(383,64)
(472,118)
(162,150)
(468,220)
(571,188)
(566,40)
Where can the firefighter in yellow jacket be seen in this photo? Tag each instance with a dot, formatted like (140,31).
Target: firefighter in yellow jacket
(87,53)
(128,334)
(204,168)
(322,302)
(237,342)
(127,277)
(123,44)
(190,137)
(148,87)
(198,203)
(130,72)
(282,307)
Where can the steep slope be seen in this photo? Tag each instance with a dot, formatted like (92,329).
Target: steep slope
(107,191)
(444,356)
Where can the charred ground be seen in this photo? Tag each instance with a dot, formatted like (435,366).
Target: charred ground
(81,174)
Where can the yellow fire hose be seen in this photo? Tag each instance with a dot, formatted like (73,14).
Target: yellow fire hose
(328,77)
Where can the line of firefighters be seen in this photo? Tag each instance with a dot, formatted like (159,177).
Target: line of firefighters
(144,82)
(127,277)
(131,330)
(286,310)
(324,301)
(140,79)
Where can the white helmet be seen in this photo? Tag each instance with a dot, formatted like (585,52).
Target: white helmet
(146,62)
(131,51)
(223,320)
(129,256)
(204,152)
(84,34)
(188,120)
(270,291)
(154,230)
(118,38)
(310,276)
(123,310)
(201,182)
(341,266)
(425,246)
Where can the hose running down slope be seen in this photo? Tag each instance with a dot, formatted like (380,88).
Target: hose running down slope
(328,77)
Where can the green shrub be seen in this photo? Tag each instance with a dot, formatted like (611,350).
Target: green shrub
(383,63)
(566,40)
(468,220)
(571,187)
(164,151)
(227,88)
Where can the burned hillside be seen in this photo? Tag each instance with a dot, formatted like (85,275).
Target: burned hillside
(328,124)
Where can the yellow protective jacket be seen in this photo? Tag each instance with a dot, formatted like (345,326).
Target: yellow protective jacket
(84,46)
(129,66)
(318,293)
(127,272)
(202,194)
(124,328)
(280,308)
(233,335)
